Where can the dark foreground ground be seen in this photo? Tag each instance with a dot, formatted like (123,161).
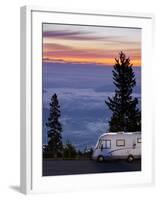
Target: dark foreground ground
(68,167)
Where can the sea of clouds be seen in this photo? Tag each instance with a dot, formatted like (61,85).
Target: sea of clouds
(81,95)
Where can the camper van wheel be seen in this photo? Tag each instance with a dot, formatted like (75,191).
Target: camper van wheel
(100,159)
(130,158)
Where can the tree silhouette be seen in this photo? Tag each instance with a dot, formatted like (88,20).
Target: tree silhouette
(55,145)
(69,150)
(125,114)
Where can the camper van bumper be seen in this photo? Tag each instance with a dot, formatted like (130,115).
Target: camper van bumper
(106,157)
(94,157)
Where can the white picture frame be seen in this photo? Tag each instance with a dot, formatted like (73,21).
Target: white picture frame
(31,84)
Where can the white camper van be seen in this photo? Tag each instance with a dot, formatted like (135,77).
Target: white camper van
(120,145)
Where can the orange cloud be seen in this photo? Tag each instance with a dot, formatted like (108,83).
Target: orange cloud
(63,53)
(101,61)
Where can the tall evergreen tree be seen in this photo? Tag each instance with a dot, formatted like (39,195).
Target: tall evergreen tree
(55,145)
(125,114)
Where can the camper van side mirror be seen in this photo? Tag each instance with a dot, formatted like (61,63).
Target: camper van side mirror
(134,146)
(101,148)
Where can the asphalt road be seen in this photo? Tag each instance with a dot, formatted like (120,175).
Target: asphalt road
(68,167)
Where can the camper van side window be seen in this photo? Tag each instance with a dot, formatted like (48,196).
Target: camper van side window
(138,140)
(120,142)
(107,144)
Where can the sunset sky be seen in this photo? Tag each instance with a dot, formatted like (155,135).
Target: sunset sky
(76,66)
(88,44)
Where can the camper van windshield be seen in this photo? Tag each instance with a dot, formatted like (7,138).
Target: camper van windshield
(100,144)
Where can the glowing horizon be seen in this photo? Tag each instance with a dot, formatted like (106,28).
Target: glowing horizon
(90,45)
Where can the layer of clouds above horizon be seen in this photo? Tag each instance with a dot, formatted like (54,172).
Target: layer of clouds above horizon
(82,90)
(90,44)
